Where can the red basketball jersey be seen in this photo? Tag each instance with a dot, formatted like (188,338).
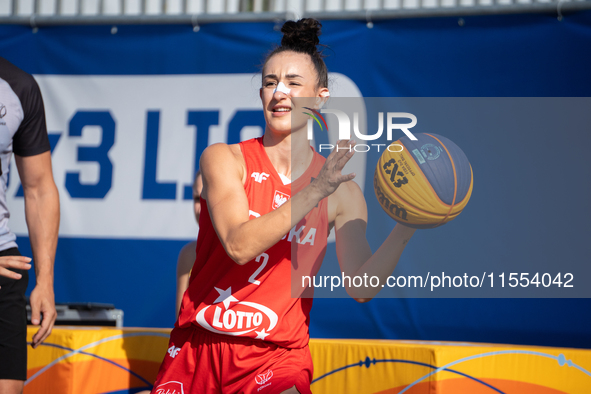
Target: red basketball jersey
(255,300)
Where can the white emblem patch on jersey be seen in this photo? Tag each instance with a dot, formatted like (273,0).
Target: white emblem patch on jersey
(264,377)
(279,199)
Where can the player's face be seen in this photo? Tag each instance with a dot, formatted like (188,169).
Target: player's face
(197,188)
(297,74)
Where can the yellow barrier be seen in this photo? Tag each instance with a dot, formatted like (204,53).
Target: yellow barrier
(96,360)
(413,367)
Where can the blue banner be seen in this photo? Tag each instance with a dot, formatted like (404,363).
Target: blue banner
(129,114)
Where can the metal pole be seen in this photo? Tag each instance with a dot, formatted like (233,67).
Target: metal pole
(258,6)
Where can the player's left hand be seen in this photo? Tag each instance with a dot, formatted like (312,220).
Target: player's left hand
(330,177)
(42,305)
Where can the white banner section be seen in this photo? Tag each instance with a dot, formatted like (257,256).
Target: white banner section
(126,147)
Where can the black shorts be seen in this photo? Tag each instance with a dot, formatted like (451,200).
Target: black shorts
(13,323)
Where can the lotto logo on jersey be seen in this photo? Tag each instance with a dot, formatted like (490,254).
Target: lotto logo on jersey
(171,387)
(230,316)
(259,176)
(279,199)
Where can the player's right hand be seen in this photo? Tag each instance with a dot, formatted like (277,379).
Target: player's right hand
(330,177)
(15,262)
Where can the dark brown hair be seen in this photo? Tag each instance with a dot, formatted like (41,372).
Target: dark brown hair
(302,37)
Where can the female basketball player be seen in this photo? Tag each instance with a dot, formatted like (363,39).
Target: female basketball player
(240,329)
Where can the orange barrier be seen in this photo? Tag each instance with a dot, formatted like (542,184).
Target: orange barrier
(97,360)
(93,360)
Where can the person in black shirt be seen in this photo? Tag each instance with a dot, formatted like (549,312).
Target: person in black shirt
(23,131)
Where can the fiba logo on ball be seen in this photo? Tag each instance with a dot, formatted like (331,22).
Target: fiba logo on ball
(425,185)
(430,151)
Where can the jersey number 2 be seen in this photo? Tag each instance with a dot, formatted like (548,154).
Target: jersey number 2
(265,258)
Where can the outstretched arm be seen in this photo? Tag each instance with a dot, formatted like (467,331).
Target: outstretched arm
(244,239)
(42,215)
(353,251)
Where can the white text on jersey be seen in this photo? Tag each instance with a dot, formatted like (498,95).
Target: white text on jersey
(309,237)
(259,176)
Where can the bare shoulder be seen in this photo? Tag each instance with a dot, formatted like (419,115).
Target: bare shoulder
(188,251)
(349,199)
(220,152)
(222,159)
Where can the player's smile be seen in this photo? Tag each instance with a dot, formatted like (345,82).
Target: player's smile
(281,110)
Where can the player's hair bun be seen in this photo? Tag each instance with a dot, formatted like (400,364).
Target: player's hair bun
(301,36)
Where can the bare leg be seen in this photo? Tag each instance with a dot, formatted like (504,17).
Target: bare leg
(11,386)
(292,390)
